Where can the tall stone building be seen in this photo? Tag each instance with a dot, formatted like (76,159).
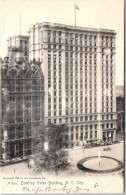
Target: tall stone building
(79,68)
(22,106)
(21,42)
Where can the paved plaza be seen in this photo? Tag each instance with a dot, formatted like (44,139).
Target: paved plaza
(78,180)
(75,155)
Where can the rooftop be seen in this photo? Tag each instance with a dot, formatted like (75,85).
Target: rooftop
(70,27)
(18,36)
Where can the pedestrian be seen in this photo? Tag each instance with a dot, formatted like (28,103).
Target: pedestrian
(83,146)
(81,142)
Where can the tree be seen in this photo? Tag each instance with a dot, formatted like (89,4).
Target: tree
(51,154)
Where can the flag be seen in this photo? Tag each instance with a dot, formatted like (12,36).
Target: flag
(76,7)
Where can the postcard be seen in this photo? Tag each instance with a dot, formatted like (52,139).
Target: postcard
(62,97)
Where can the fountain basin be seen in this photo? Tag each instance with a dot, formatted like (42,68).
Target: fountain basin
(104,164)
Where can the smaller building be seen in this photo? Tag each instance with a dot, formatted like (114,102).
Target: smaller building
(21,42)
(120,105)
(22,106)
(120,124)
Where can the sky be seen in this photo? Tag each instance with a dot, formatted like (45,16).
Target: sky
(106,14)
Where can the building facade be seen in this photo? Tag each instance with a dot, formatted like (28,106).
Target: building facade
(21,42)
(120,104)
(22,106)
(120,124)
(79,69)
(120,107)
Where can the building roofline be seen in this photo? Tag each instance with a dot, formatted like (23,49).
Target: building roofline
(23,36)
(78,28)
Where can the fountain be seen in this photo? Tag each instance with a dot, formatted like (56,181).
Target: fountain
(100,164)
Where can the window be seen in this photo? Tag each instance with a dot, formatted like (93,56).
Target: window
(60,33)
(71,47)
(86,127)
(59,40)
(111,125)
(86,118)
(91,135)
(90,117)
(49,106)
(81,127)
(107,125)
(54,33)
(76,136)
(49,113)
(95,117)
(60,46)
(71,42)
(49,46)
(81,118)
(95,134)
(49,32)
(76,119)
(103,126)
(86,135)
(81,136)
(71,119)
(72,128)
(49,120)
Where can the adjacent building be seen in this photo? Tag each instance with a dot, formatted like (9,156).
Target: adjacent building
(120,104)
(22,106)
(120,107)
(21,42)
(120,124)
(79,69)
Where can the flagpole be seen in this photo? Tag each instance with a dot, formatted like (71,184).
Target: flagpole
(20,24)
(75,12)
